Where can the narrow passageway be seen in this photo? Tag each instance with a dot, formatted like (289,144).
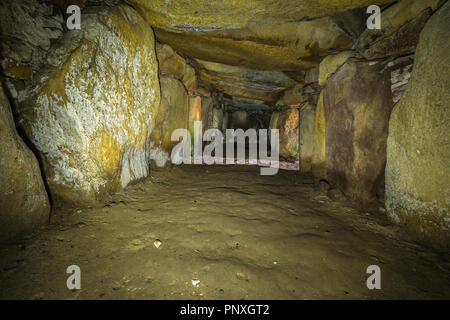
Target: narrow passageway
(224,149)
(240,234)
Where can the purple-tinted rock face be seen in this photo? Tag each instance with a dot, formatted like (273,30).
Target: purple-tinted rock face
(358,103)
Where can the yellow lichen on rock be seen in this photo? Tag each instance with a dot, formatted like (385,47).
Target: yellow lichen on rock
(93,109)
(331,63)
(171,62)
(288,47)
(213,14)
(418,148)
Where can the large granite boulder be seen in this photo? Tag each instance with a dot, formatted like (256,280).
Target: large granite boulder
(358,103)
(418,150)
(93,107)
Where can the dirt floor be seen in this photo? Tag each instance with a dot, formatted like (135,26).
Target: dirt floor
(242,235)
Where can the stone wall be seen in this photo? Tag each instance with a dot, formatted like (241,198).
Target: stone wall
(418,161)
(24,205)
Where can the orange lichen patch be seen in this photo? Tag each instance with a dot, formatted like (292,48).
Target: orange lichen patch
(287,121)
(105,151)
(291,120)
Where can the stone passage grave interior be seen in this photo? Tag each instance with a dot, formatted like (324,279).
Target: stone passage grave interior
(88,175)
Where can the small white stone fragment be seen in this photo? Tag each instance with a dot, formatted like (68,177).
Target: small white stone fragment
(195,282)
(157,243)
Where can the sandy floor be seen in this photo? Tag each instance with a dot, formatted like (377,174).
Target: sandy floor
(244,236)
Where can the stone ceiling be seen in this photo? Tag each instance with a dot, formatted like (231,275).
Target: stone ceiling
(280,36)
(206,15)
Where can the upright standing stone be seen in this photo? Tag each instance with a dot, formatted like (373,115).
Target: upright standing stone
(24,203)
(287,121)
(172,115)
(306,136)
(358,104)
(319,164)
(418,150)
(94,106)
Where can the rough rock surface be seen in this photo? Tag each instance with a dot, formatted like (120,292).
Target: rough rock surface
(172,63)
(182,15)
(172,115)
(207,104)
(401,23)
(358,103)
(418,152)
(27,28)
(401,69)
(292,96)
(319,164)
(243,82)
(311,86)
(288,47)
(331,64)
(194,114)
(24,204)
(307,113)
(93,108)
(287,121)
